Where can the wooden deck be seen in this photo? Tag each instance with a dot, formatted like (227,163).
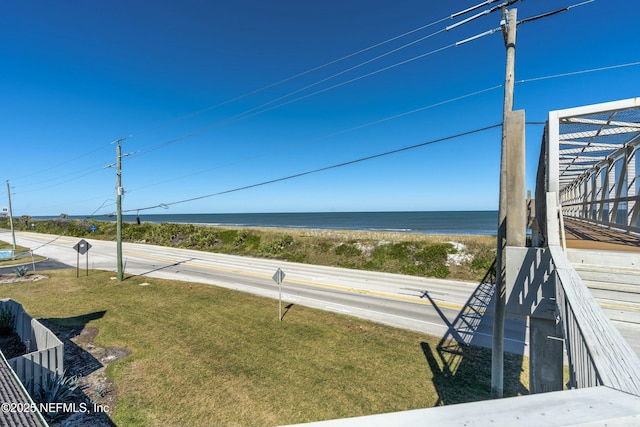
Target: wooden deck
(581,235)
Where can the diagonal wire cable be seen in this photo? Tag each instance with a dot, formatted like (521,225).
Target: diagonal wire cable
(245,115)
(575,73)
(326,168)
(331,135)
(293,77)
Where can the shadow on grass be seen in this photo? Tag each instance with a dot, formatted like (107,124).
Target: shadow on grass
(287,308)
(76,336)
(461,368)
(175,264)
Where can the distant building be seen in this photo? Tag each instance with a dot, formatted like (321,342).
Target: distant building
(4,211)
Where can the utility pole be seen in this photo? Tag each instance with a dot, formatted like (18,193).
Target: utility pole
(13,233)
(497,355)
(119,192)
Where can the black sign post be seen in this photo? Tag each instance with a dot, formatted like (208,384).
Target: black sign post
(82,247)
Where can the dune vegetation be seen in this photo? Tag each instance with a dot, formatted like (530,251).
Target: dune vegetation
(459,257)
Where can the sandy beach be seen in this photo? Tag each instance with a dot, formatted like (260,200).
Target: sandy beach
(347,235)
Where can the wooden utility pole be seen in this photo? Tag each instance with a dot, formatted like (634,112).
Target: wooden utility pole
(119,209)
(13,233)
(497,355)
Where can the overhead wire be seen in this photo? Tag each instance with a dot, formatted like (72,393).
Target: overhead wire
(395,116)
(260,108)
(254,112)
(574,73)
(40,171)
(296,76)
(554,12)
(533,79)
(334,134)
(326,168)
(75,175)
(332,62)
(472,8)
(293,77)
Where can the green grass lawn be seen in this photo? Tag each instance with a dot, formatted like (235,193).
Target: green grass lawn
(209,356)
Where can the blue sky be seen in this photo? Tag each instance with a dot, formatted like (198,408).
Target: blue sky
(190,85)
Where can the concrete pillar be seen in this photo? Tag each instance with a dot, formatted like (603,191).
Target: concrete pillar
(516,186)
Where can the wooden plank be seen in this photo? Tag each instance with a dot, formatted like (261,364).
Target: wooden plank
(615,363)
(597,406)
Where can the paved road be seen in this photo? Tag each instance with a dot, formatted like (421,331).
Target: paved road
(444,308)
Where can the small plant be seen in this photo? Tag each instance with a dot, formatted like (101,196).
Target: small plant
(7,320)
(101,391)
(21,271)
(278,246)
(57,389)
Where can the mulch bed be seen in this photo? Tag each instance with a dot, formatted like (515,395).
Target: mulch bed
(11,346)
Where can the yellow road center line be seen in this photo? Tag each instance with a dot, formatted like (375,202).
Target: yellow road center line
(301,281)
(317,284)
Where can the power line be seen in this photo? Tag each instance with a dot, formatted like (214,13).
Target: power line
(340,132)
(326,168)
(237,98)
(574,73)
(522,81)
(472,8)
(260,108)
(555,12)
(40,171)
(481,14)
(92,170)
(246,114)
(254,111)
(335,61)
(296,76)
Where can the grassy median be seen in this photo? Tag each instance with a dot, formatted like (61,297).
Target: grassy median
(208,356)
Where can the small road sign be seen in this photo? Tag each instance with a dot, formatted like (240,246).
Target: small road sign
(278,277)
(82,247)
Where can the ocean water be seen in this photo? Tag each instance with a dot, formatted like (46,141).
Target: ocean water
(454,222)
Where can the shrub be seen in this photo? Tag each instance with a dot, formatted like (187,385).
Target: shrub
(277,246)
(245,240)
(228,237)
(324,246)
(348,250)
(21,271)
(203,239)
(481,263)
(57,389)
(135,232)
